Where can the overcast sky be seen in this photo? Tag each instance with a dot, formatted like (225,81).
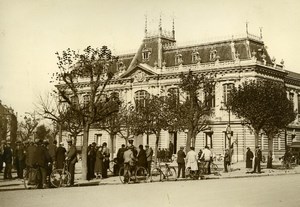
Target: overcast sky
(31,31)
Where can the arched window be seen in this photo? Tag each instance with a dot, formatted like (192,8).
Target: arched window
(140,97)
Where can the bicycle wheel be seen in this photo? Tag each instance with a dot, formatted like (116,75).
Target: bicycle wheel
(30,178)
(124,178)
(156,174)
(171,173)
(60,178)
(141,174)
(214,169)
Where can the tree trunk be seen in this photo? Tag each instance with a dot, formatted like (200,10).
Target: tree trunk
(270,151)
(156,147)
(60,133)
(111,146)
(193,139)
(84,152)
(188,140)
(256,137)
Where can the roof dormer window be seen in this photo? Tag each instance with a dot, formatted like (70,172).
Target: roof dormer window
(146,53)
(195,57)
(213,55)
(178,59)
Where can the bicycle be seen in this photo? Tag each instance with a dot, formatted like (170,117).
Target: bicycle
(32,177)
(214,169)
(60,177)
(140,174)
(198,173)
(157,174)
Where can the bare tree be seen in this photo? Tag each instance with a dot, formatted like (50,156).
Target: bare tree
(92,70)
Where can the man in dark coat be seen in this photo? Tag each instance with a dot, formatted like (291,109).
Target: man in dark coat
(181,162)
(30,154)
(171,150)
(60,156)
(120,159)
(41,159)
(249,159)
(1,154)
(19,156)
(91,158)
(106,155)
(141,157)
(257,160)
(7,158)
(72,159)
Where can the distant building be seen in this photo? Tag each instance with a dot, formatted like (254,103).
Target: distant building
(8,124)
(155,67)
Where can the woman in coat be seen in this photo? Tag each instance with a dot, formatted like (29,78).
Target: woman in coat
(141,157)
(249,159)
(99,163)
(191,160)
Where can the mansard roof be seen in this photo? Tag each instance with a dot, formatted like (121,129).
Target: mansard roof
(163,52)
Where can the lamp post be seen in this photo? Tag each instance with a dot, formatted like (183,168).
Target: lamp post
(228,132)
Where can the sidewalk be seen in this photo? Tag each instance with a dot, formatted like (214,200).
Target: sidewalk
(237,171)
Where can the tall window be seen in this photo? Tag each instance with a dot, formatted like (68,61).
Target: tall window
(74,100)
(178,59)
(226,91)
(298,97)
(140,97)
(86,100)
(210,98)
(291,97)
(174,93)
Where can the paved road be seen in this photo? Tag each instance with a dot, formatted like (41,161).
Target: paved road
(260,191)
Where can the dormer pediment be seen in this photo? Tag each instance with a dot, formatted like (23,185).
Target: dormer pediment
(139,72)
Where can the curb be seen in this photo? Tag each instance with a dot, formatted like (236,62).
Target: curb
(99,183)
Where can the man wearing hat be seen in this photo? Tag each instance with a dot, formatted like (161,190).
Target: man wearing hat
(149,155)
(181,162)
(60,156)
(2,144)
(72,158)
(19,160)
(7,158)
(249,159)
(257,159)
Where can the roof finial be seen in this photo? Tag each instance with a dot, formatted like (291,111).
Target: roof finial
(260,30)
(160,27)
(173,29)
(247,28)
(146,32)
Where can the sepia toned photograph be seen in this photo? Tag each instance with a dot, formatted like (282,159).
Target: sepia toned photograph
(136,103)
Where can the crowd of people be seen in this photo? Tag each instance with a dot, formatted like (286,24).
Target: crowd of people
(37,154)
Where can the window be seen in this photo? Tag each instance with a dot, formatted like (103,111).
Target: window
(195,57)
(74,100)
(146,53)
(291,97)
(178,59)
(140,97)
(86,100)
(298,97)
(210,97)
(213,55)
(174,93)
(226,91)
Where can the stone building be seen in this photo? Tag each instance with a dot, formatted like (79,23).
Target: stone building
(155,67)
(8,124)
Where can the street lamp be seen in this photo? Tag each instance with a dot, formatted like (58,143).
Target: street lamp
(228,132)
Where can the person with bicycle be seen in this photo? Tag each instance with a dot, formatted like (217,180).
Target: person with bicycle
(191,160)
(72,159)
(41,160)
(129,161)
(207,156)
